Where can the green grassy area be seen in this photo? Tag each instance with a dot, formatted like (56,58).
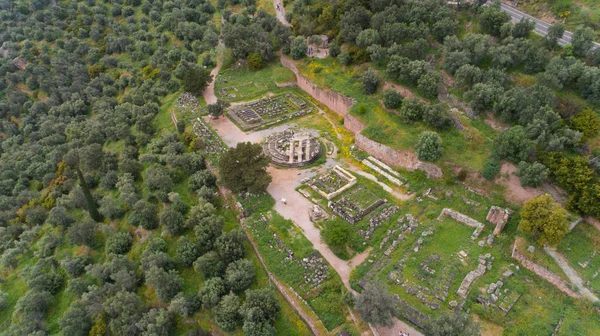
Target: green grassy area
(250,85)
(581,245)
(472,146)
(326,298)
(540,305)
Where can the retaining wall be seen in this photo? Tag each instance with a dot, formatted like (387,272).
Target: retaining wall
(341,105)
(544,273)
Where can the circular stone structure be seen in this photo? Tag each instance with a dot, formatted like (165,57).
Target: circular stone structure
(292,148)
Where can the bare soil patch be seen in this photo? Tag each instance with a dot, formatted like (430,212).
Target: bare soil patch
(514,192)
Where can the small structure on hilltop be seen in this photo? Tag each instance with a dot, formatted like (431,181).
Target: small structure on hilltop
(292,149)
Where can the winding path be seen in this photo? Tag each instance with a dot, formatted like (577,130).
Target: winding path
(280,11)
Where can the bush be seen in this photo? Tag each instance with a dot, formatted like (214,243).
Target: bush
(491,168)
(369,81)
(391,99)
(255,61)
(429,147)
(298,48)
(412,110)
(532,174)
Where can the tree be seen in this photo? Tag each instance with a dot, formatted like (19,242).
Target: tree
(207,229)
(187,251)
(260,306)
(166,284)
(429,147)
(210,265)
(157,178)
(243,168)
(240,275)
(523,28)
(491,168)
(156,322)
(211,292)
(298,48)
(429,84)
(227,313)
(369,81)
(118,243)
(583,40)
(391,99)
(231,245)
(217,109)
(555,32)
(532,174)
(376,305)
(75,320)
(412,110)
(367,38)
(437,117)
(59,216)
(452,324)
(172,221)
(195,80)
(145,214)
(586,121)
(255,61)
(82,233)
(124,310)
(491,18)
(513,144)
(545,219)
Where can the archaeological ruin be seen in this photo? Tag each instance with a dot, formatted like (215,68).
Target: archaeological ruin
(292,148)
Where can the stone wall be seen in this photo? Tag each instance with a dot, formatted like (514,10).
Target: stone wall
(397,158)
(544,273)
(333,100)
(341,105)
(352,124)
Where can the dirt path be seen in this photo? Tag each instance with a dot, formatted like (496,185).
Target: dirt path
(513,191)
(399,326)
(280,11)
(285,182)
(209,92)
(571,273)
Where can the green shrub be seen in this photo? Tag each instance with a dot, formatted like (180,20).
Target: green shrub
(392,99)
(491,168)
(429,147)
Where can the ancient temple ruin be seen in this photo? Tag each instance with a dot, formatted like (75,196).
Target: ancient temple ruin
(292,148)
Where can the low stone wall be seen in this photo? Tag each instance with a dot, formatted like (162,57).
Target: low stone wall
(544,273)
(468,221)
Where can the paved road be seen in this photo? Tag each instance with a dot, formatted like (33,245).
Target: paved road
(541,27)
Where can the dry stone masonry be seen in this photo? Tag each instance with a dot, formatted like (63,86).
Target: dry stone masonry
(499,217)
(334,183)
(459,217)
(485,263)
(266,112)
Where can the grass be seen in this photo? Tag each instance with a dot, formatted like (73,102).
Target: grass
(578,246)
(326,300)
(252,84)
(472,146)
